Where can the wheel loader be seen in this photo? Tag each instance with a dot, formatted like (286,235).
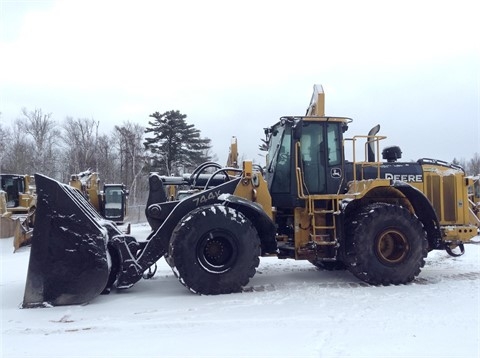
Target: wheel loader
(111,203)
(314,201)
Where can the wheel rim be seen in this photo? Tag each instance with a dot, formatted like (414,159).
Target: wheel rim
(392,247)
(217,251)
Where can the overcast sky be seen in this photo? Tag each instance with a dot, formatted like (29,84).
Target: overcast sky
(235,67)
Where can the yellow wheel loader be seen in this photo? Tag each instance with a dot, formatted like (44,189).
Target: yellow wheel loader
(314,201)
(111,203)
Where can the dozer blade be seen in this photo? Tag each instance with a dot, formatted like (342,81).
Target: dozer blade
(22,235)
(7,226)
(69,262)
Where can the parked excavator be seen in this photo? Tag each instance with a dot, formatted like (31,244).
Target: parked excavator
(376,218)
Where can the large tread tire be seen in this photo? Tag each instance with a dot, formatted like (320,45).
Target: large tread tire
(386,245)
(214,250)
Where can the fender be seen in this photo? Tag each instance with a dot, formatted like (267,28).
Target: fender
(413,199)
(159,209)
(424,211)
(254,212)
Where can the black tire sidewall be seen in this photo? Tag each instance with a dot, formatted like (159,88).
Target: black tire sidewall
(188,235)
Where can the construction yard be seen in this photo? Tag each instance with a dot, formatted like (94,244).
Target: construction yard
(290,308)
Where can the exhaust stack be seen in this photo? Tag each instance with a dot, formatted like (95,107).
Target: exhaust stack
(371,143)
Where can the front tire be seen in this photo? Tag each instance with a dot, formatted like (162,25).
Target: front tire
(214,250)
(387,245)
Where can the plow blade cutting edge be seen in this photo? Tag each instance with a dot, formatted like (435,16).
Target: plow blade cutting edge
(69,261)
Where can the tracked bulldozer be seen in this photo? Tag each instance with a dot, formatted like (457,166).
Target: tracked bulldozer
(17,208)
(378,219)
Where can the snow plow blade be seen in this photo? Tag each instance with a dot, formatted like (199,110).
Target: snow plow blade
(69,262)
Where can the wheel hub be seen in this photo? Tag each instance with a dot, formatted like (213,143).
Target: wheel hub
(392,247)
(217,252)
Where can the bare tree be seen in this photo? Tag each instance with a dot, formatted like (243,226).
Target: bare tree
(474,165)
(43,131)
(5,144)
(80,137)
(18,155)
(132,157)
(108,159)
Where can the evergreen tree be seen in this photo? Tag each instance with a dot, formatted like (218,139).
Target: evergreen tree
(264,146)
(176,146)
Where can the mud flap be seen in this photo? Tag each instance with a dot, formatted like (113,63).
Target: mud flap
(69,262)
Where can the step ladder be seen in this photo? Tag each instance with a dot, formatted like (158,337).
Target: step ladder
(324,234)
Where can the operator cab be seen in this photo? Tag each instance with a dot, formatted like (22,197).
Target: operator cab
(115,202)
(304,155)
(12,185)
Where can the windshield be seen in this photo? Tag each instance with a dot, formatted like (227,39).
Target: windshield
(274,146)
(12,185)
(113,198)
(278,160)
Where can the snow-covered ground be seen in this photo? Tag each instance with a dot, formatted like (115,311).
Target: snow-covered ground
(290,309)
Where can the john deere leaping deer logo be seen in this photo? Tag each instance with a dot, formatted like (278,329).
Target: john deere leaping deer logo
(336,173)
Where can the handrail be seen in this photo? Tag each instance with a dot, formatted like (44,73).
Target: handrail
(364,163)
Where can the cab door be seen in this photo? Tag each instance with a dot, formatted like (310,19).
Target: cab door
(333,157)
(313,157)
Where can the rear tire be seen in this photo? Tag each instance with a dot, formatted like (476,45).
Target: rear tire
(387,245)
(214,250)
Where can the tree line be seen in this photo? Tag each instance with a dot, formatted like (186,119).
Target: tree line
(37,143)
(471,166)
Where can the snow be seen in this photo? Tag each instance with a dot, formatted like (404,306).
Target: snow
(289,309)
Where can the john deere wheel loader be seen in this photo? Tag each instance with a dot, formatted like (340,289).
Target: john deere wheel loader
(378,219)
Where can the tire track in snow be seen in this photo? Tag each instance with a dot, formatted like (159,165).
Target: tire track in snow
(439,277)
(459,276)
